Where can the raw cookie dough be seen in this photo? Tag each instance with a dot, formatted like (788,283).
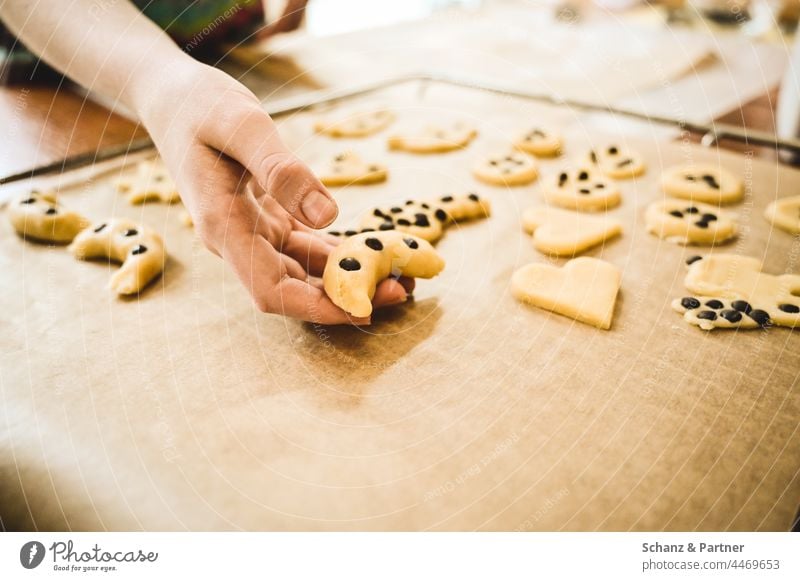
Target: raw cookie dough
(617,162)
(582,189)
(566,233)
(139,249)
(686,222)
(584,289)
(358,264)
(785,214)
(508,169)
(434,139)
(539,142)
(349,169)
(38,216)
(151,183)
(732,292)
(702,183)
(361,124)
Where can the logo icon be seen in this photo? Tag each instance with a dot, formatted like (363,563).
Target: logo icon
(31,554)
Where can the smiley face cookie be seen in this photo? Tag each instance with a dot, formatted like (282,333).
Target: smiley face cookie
(38,216)
(616,162)
(356,266)
(730,291)
(139,249)
(785,214)
(564,233)
(349,169)
(434,139)
(507,169)
(361,124)
(582,189)
(539,142)
(685,222)
(584,289)
(703,183)
(151,183)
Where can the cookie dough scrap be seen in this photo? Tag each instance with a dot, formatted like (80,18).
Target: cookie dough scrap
(359,124)
(685,222)
(617,162)
(138,248)
(349,168)
(356,266)
(434,139)
(785,214)
(731,291)
(702,183)
(539,142)
(584,289)
(565,233)
(506,169)
(38,216)
(151,183)
(582,189)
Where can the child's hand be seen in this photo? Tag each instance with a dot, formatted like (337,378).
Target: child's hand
(252,201)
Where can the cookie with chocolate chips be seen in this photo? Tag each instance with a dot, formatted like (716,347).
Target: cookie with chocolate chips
(512,168)
(347,169)
(358,124)
(38,216)
(412,216)
(685,222)
(150,183)
(707,183)
(434,138)
(616,161)
(539,142)
(583,189)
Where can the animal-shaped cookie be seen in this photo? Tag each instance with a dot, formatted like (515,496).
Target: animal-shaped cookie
(785,214)
(38,216)
(151,183)
(584,289)
(702,183)
(359,263)
(565,233)
(686,222)
(139,249)
(730,291)
(360,124)
(461,207)
(539,142)
(582,189)
(434,139)
(506,169)
(349,169)
(617,162)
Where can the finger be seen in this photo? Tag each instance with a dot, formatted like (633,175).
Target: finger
(310,250)
(408,283)
(389,292)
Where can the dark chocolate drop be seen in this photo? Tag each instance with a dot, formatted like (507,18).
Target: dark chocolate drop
(411,243)
(690,303)
(708,315)
(441,215)
(374,243)
(731,315)
(789,308)
(138,249)
(100,228)
(760,317)
(676,213)
(349,264)
(130,232)
(693,259)
(742,306)
(51,211)
(714,304)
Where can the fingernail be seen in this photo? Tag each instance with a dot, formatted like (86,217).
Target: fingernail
(319,209)
(400,300)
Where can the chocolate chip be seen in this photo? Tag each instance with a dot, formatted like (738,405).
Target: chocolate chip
(403,222)
(51,211)
(425,206)
(138,249)
(447,198)
(349,264)
(689,303)
(386,226)
(130,232)
(367,230)
(600,185)
(711,181)
(708,315)
(562,179)
(474,197)
(374,243)
(373,168)
(411,243)
(789,308)
(708,217)
(676,213)
(377,212)
(340,157)
(409,202)
(335,233)
(492,162)
(714,304)
(396,210)
(350,232)
(689,178)
(584,191)
(693,259)
(691,210)
(441,215)
(701,224)
(421,220)
(760,317)
(583,176)
(731,316)
(593,156)
(742,306)
(613,150)
(29,201)
(625,162)
(100,228)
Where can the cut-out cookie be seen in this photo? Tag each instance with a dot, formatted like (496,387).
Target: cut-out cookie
(686,222)
(139,249)
(702,183)
(565,233)
(539,142)
(462,208)
(358,264)
(349,169)
(584,289)
(582,189)
(434,139)
(732,292)
(38,216)
(362,124)
(617,162)
(785,214)
(151,183)
(507,169)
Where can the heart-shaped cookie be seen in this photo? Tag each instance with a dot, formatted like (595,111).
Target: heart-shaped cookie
(785,214)
(584,289)
(566,233)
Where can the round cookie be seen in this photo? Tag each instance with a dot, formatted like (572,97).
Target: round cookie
(785,214)
(461,208)
(349,169)
(617,162)
(703,183)
(582,189)
(38,216)
(362,124)
(508,169)
(413,217)
(686,222)
(539,142)
(359,263)
(434,139)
